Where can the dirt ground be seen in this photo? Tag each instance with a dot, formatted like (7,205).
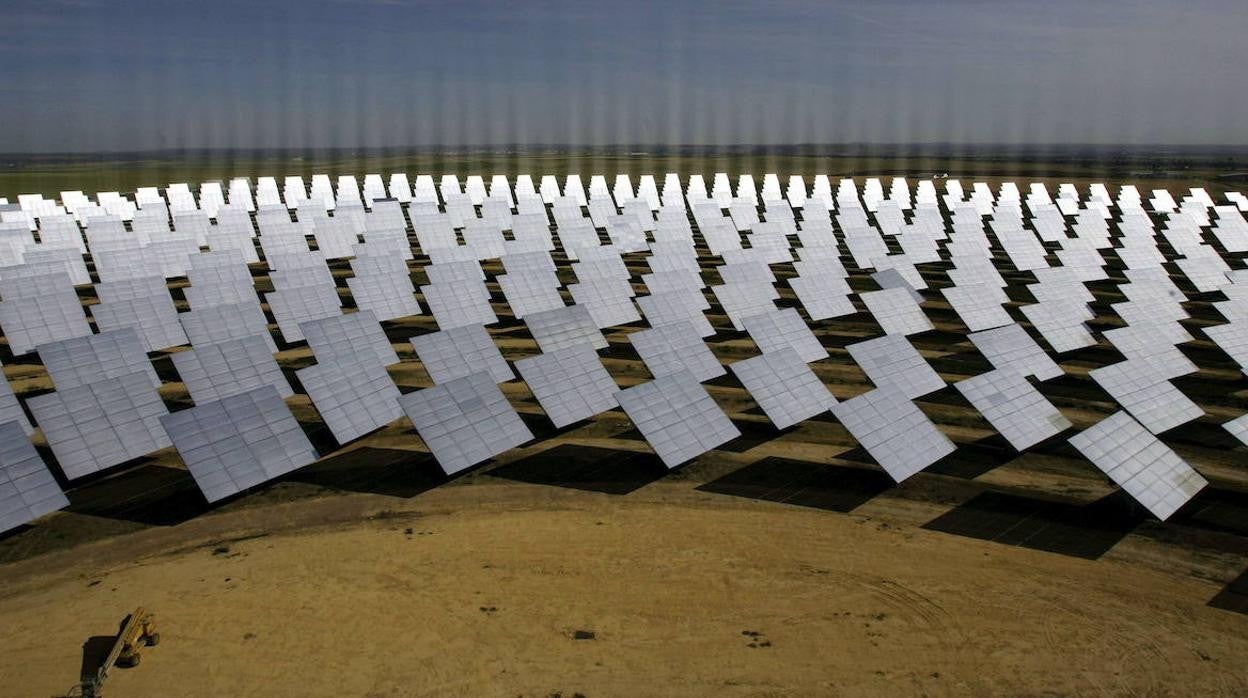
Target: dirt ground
(484,589)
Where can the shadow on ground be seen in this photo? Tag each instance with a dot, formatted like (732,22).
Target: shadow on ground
(821,486)
(1077,530)
(585,468)
(385,471)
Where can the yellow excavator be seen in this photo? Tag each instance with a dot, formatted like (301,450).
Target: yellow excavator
(138,630)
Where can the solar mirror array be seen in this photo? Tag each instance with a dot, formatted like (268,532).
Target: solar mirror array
(206,318)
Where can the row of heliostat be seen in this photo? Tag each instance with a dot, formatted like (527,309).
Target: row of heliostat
(293,193)
(106,411)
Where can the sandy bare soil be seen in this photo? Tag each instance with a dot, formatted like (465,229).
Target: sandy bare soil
(482,589)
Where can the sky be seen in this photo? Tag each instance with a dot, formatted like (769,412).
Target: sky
(110,75)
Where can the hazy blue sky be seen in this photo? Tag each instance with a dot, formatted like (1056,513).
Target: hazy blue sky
(100,75)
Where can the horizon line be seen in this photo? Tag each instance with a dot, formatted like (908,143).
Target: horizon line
(615,149)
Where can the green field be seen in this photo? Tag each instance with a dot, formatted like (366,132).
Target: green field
(1170,169)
